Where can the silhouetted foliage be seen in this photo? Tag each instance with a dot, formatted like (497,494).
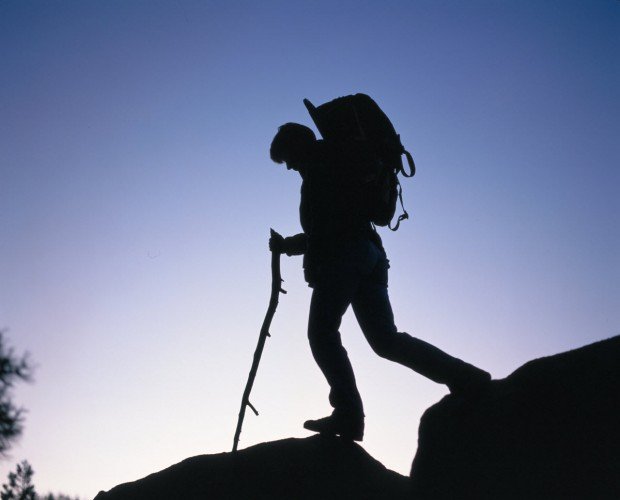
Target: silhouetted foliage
(13,368)
(19,485)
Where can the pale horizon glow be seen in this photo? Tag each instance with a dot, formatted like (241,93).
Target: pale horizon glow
(136,197)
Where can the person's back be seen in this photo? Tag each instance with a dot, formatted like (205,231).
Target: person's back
(332,207)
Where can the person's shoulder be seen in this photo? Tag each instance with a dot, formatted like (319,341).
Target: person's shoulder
(320,155)
(321,150)
(328,153)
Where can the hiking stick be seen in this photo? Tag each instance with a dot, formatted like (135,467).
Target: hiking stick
(276,289)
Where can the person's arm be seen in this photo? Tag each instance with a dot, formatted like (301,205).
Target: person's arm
(296,245)
(293,245)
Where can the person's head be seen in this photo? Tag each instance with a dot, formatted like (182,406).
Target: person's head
(291,145)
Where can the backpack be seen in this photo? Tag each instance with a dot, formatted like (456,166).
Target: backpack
(363,133)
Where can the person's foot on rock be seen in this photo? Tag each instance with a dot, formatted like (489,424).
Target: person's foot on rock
(349,428)
(470,382)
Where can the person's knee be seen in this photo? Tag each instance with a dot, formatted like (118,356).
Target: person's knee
(385,346)
(314,338)
(321,338)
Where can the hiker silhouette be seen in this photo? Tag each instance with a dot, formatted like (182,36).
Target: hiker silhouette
(345,264)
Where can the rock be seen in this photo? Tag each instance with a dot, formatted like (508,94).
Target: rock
(313,468)
(551,430)
(548,431)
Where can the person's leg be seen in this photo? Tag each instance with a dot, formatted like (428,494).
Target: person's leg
(372,308)
(330,300)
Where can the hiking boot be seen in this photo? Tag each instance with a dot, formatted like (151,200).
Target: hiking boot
(471,381)
(349,428)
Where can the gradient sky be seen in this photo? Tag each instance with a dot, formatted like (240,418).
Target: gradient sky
(136,197)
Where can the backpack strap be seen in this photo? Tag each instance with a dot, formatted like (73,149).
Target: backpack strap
(411,173)
(404,215)
(410,163)
(403,151)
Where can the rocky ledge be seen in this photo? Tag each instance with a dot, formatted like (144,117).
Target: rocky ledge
(312,468)
(550,430)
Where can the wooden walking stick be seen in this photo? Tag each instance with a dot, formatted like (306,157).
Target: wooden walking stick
(276,289)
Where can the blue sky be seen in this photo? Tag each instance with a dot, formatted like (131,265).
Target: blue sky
(136,197)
